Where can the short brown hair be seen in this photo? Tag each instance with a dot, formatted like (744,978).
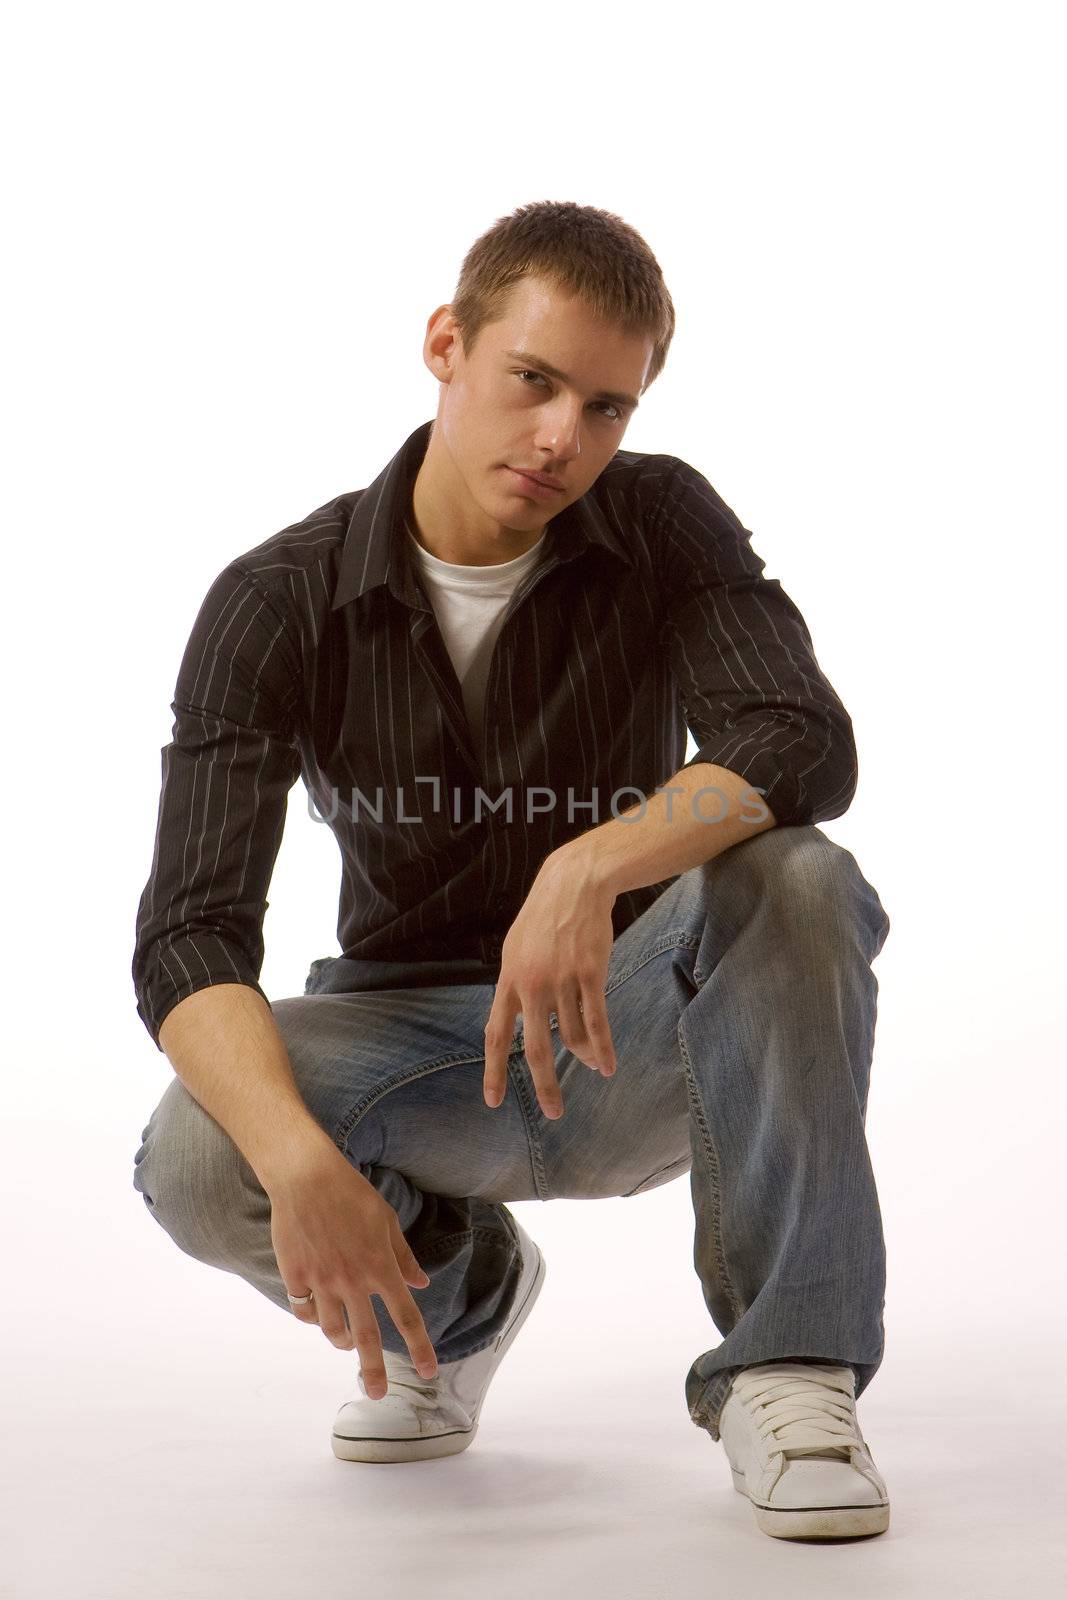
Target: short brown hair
(586,252)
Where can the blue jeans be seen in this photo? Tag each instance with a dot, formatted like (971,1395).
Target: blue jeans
(742,1008)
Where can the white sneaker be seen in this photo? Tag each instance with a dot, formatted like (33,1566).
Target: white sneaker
(795,1449)
(419,1419)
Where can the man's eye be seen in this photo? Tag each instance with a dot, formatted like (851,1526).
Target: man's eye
(526,372)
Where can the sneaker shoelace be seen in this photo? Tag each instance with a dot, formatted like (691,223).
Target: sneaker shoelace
(807,1411)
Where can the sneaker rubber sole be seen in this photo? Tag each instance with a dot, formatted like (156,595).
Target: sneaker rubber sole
(816,1522)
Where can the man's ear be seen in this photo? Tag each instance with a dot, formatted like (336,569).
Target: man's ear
(442,344)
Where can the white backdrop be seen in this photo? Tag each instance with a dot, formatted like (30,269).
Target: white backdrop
(228,227)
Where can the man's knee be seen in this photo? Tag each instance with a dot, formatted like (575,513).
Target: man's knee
(811,875)
(194,1180)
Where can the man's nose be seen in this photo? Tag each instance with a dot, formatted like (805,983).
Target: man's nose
(561,433)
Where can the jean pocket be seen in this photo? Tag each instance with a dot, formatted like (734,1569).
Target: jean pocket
(673,1169)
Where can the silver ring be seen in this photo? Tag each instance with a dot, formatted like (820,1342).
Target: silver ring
(300,1299)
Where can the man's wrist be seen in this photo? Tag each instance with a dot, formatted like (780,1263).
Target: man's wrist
(672,830)
(582,864)
(303,1148)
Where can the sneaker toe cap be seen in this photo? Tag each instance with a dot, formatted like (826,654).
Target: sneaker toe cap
(391,1417)
(823,1483)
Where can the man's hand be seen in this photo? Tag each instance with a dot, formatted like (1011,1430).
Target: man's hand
(334,1234)
(555,958)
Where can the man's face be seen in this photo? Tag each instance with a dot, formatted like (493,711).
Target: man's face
(499,412)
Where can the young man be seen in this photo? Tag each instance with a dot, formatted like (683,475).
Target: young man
(483,666)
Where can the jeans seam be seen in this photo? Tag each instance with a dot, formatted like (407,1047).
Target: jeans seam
(361,1107)
(669,941)
(478,1231)
(681,1163)
(713,1161)
(678,939)
(521,1083)
(356,1112)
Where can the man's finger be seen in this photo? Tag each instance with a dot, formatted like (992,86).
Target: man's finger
(595,1016)
(537,1046)
(572,1029)
(408,1318)
(499,1031)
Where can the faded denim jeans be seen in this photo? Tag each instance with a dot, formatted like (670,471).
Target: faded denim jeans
(742,1008)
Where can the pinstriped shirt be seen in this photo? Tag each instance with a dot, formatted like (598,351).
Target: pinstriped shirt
(317,655)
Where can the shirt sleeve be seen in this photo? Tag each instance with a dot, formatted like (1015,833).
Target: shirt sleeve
(755,698)
(227,772)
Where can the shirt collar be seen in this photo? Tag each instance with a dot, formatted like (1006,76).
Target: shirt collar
(375,550)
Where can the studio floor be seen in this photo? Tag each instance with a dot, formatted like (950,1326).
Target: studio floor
(168,1434)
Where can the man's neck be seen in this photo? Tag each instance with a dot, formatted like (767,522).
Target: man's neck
(438,524)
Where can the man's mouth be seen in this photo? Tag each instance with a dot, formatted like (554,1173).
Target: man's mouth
(537,485)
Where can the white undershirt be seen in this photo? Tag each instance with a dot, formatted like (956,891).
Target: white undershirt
(469,604)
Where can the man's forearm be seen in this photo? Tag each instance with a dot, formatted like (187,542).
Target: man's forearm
(225,1046)
(678,830)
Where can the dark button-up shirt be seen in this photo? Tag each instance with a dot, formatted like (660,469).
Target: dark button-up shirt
(317,654)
